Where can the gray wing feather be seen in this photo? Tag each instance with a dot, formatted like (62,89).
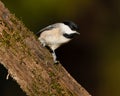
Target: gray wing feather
(46,28)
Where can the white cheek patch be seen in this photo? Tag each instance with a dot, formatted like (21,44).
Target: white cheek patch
(66,29)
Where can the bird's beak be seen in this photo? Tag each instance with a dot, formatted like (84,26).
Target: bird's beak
(77,33)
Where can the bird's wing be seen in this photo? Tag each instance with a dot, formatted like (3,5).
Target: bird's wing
(46,28)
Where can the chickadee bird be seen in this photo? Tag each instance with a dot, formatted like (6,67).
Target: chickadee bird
(53,36)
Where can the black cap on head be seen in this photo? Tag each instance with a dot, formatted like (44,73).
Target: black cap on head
(72,25)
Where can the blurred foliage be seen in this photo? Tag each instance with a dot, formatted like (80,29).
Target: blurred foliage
(98,49)
(34,12)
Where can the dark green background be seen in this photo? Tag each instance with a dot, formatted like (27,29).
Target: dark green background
(93,58)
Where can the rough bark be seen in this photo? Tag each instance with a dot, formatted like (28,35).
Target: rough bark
(31,65)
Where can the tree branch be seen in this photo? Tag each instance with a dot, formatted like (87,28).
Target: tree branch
(30,64)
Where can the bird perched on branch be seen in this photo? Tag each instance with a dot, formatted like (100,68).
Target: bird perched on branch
(53,36)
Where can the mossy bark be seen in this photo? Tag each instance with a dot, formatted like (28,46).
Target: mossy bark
(30,64)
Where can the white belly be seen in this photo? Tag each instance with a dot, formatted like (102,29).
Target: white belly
(53,39)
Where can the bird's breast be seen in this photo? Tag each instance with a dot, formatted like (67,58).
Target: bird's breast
(54,37)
